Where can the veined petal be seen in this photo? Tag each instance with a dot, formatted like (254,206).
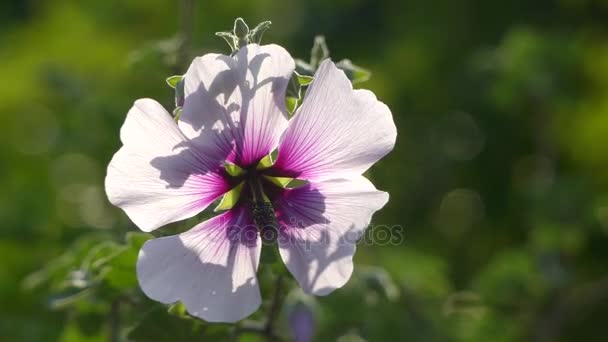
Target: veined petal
(337,133)
(210,268)
(158,176)
(320,225)
(235,106)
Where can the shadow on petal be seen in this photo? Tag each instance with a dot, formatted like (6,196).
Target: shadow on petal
(211,269)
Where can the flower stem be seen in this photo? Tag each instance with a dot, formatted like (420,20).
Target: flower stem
(266,329)
(275,305)
(114,320)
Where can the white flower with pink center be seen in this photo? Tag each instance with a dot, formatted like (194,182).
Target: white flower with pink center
(234,114)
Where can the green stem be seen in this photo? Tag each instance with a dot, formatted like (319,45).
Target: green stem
(275,306)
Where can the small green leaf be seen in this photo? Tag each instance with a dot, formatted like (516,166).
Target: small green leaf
(233,169)
(354,73)
(174,80)
(230,198)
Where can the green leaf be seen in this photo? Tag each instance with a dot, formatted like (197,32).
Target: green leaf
(119,272)
(230,198)
(378,280)
(233,169)
(68,297)
(174,80)
(160,326)
(117,267)
(137,239)
(354,73)
(90,323)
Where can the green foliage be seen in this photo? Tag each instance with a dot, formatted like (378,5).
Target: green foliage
(158,325)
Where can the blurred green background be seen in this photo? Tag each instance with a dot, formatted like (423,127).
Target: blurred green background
(499,178)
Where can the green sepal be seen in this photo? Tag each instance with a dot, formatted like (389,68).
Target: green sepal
(255,35)
(292,104)
(293,93)
(178,309)
(303,80)
(293,87)
(174,80)
(240,29)
(319,52)
(177,113)
(281,182)
(231,39)
(286,182)
(355,73)
(233,169)
(304,68)
(265,163)
(230,198)
(296,183)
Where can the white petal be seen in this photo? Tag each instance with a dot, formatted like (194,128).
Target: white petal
(158,177)
(235,106)
(320,225)
(211,268)
(338,132)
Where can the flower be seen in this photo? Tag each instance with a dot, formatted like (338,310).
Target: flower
(234,114)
